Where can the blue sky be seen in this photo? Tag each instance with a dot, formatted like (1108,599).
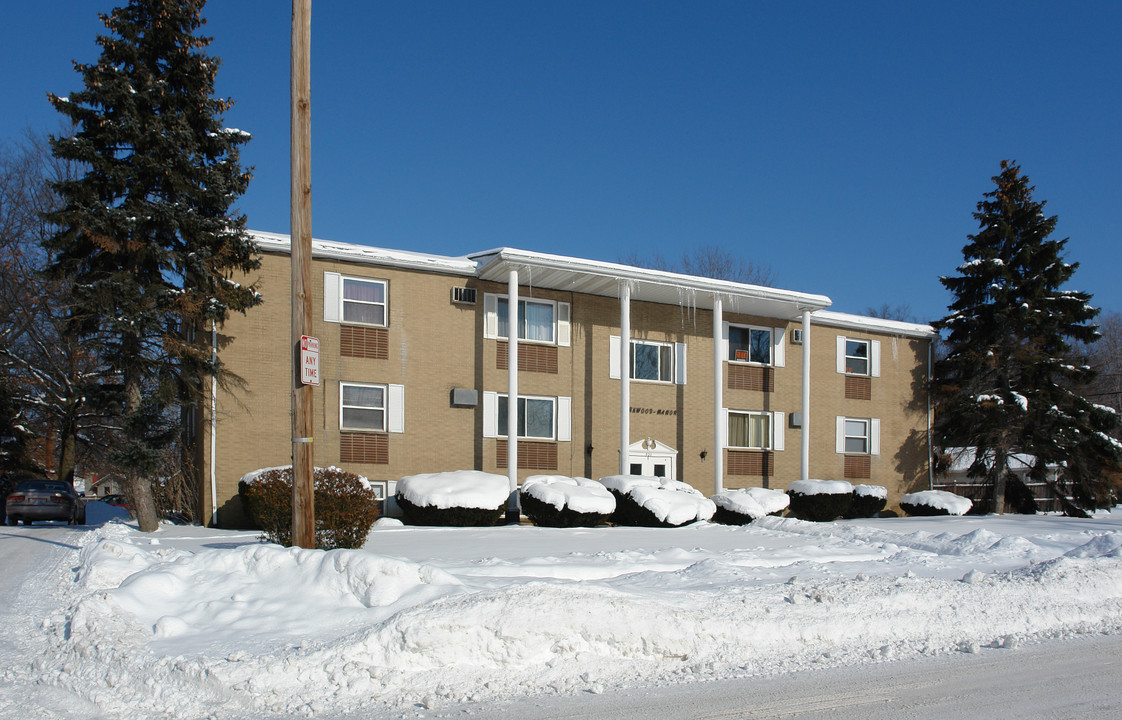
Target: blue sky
(844,145)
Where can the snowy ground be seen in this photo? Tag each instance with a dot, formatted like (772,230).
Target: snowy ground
(429,622)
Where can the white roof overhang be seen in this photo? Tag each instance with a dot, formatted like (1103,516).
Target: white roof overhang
(557,272)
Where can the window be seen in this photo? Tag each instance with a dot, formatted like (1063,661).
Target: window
(652,361)
(535,417)
(540,321)
(748,344)
(364,301)
(749,430)
(535,320)
(362,407)
(856,438)
(856,357)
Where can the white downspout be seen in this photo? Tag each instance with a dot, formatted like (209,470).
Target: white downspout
(513,510)
(804,465)
(624,379)
(930,454)
(213,425)
(718,395)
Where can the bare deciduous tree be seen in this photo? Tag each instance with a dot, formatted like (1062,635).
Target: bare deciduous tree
(711,261)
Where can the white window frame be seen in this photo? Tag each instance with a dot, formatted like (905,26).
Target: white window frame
(771,344)
(778,344)
(872,359)
(678,361)
(501,397)
(561,319)
(670,374)
(384,408)
(871,436)
(333,302)
(750,413)
(776,430)
(393,407)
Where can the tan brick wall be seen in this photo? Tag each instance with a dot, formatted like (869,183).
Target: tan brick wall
(434,345)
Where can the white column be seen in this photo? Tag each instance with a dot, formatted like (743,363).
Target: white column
(512,393)
(804,471)
(624,379)
(718,394)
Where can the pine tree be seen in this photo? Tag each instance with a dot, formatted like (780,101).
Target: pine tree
(1005,385)
(147,238)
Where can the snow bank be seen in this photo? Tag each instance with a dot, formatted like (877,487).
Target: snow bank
(459,488)
(753,502)
(940,500)
(820,487)
(183,622)
(876,491)
(581,495)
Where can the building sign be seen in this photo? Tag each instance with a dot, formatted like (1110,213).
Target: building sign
(653,411)
(309,360)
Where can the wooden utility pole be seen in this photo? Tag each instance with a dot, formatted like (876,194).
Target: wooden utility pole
(303,498)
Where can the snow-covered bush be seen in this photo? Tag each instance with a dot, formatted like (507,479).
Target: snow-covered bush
(820,500)
(656,502)
(935,502)
(345,506)
(559,501)
(740,507)
(461,498)
(868,501)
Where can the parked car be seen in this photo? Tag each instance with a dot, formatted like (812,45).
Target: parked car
(45,500)
(115,501)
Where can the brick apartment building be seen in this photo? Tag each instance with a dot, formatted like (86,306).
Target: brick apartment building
(721,385)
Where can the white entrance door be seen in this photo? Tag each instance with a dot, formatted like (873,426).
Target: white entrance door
(652,458)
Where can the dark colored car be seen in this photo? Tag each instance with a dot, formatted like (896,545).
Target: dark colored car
(45,500)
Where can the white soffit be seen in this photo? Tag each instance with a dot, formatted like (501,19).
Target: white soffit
(556,272)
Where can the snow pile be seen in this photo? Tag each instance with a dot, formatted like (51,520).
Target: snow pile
(939,500)
(581,495)
(254,475)
(753,502)
(456,489)
(876,491)
(669,501)
(820,487)
(189,620)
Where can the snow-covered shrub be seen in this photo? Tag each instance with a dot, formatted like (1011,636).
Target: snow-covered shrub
(345,506)
(820,500)
(460,498)
(740,507)
(868,500)
(559,501)
(656,502)
(935,502)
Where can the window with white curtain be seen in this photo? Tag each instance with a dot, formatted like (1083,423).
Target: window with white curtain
(364,301)
(535,320)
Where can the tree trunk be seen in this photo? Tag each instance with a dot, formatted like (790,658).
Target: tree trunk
(140,487)
(66,455)
(999,463)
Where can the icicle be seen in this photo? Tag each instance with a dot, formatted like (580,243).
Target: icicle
(895,350)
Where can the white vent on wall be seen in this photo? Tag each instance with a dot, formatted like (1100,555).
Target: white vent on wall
(463,295)
(797,336)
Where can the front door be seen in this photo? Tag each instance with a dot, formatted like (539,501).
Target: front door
(652,458)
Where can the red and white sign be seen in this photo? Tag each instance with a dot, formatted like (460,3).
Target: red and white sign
(309,360)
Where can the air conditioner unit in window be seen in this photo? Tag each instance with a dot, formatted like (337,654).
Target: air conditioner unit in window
(464,295)
(797,336)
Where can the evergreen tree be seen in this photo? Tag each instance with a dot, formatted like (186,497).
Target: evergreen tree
(147,238)
(1005,385)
